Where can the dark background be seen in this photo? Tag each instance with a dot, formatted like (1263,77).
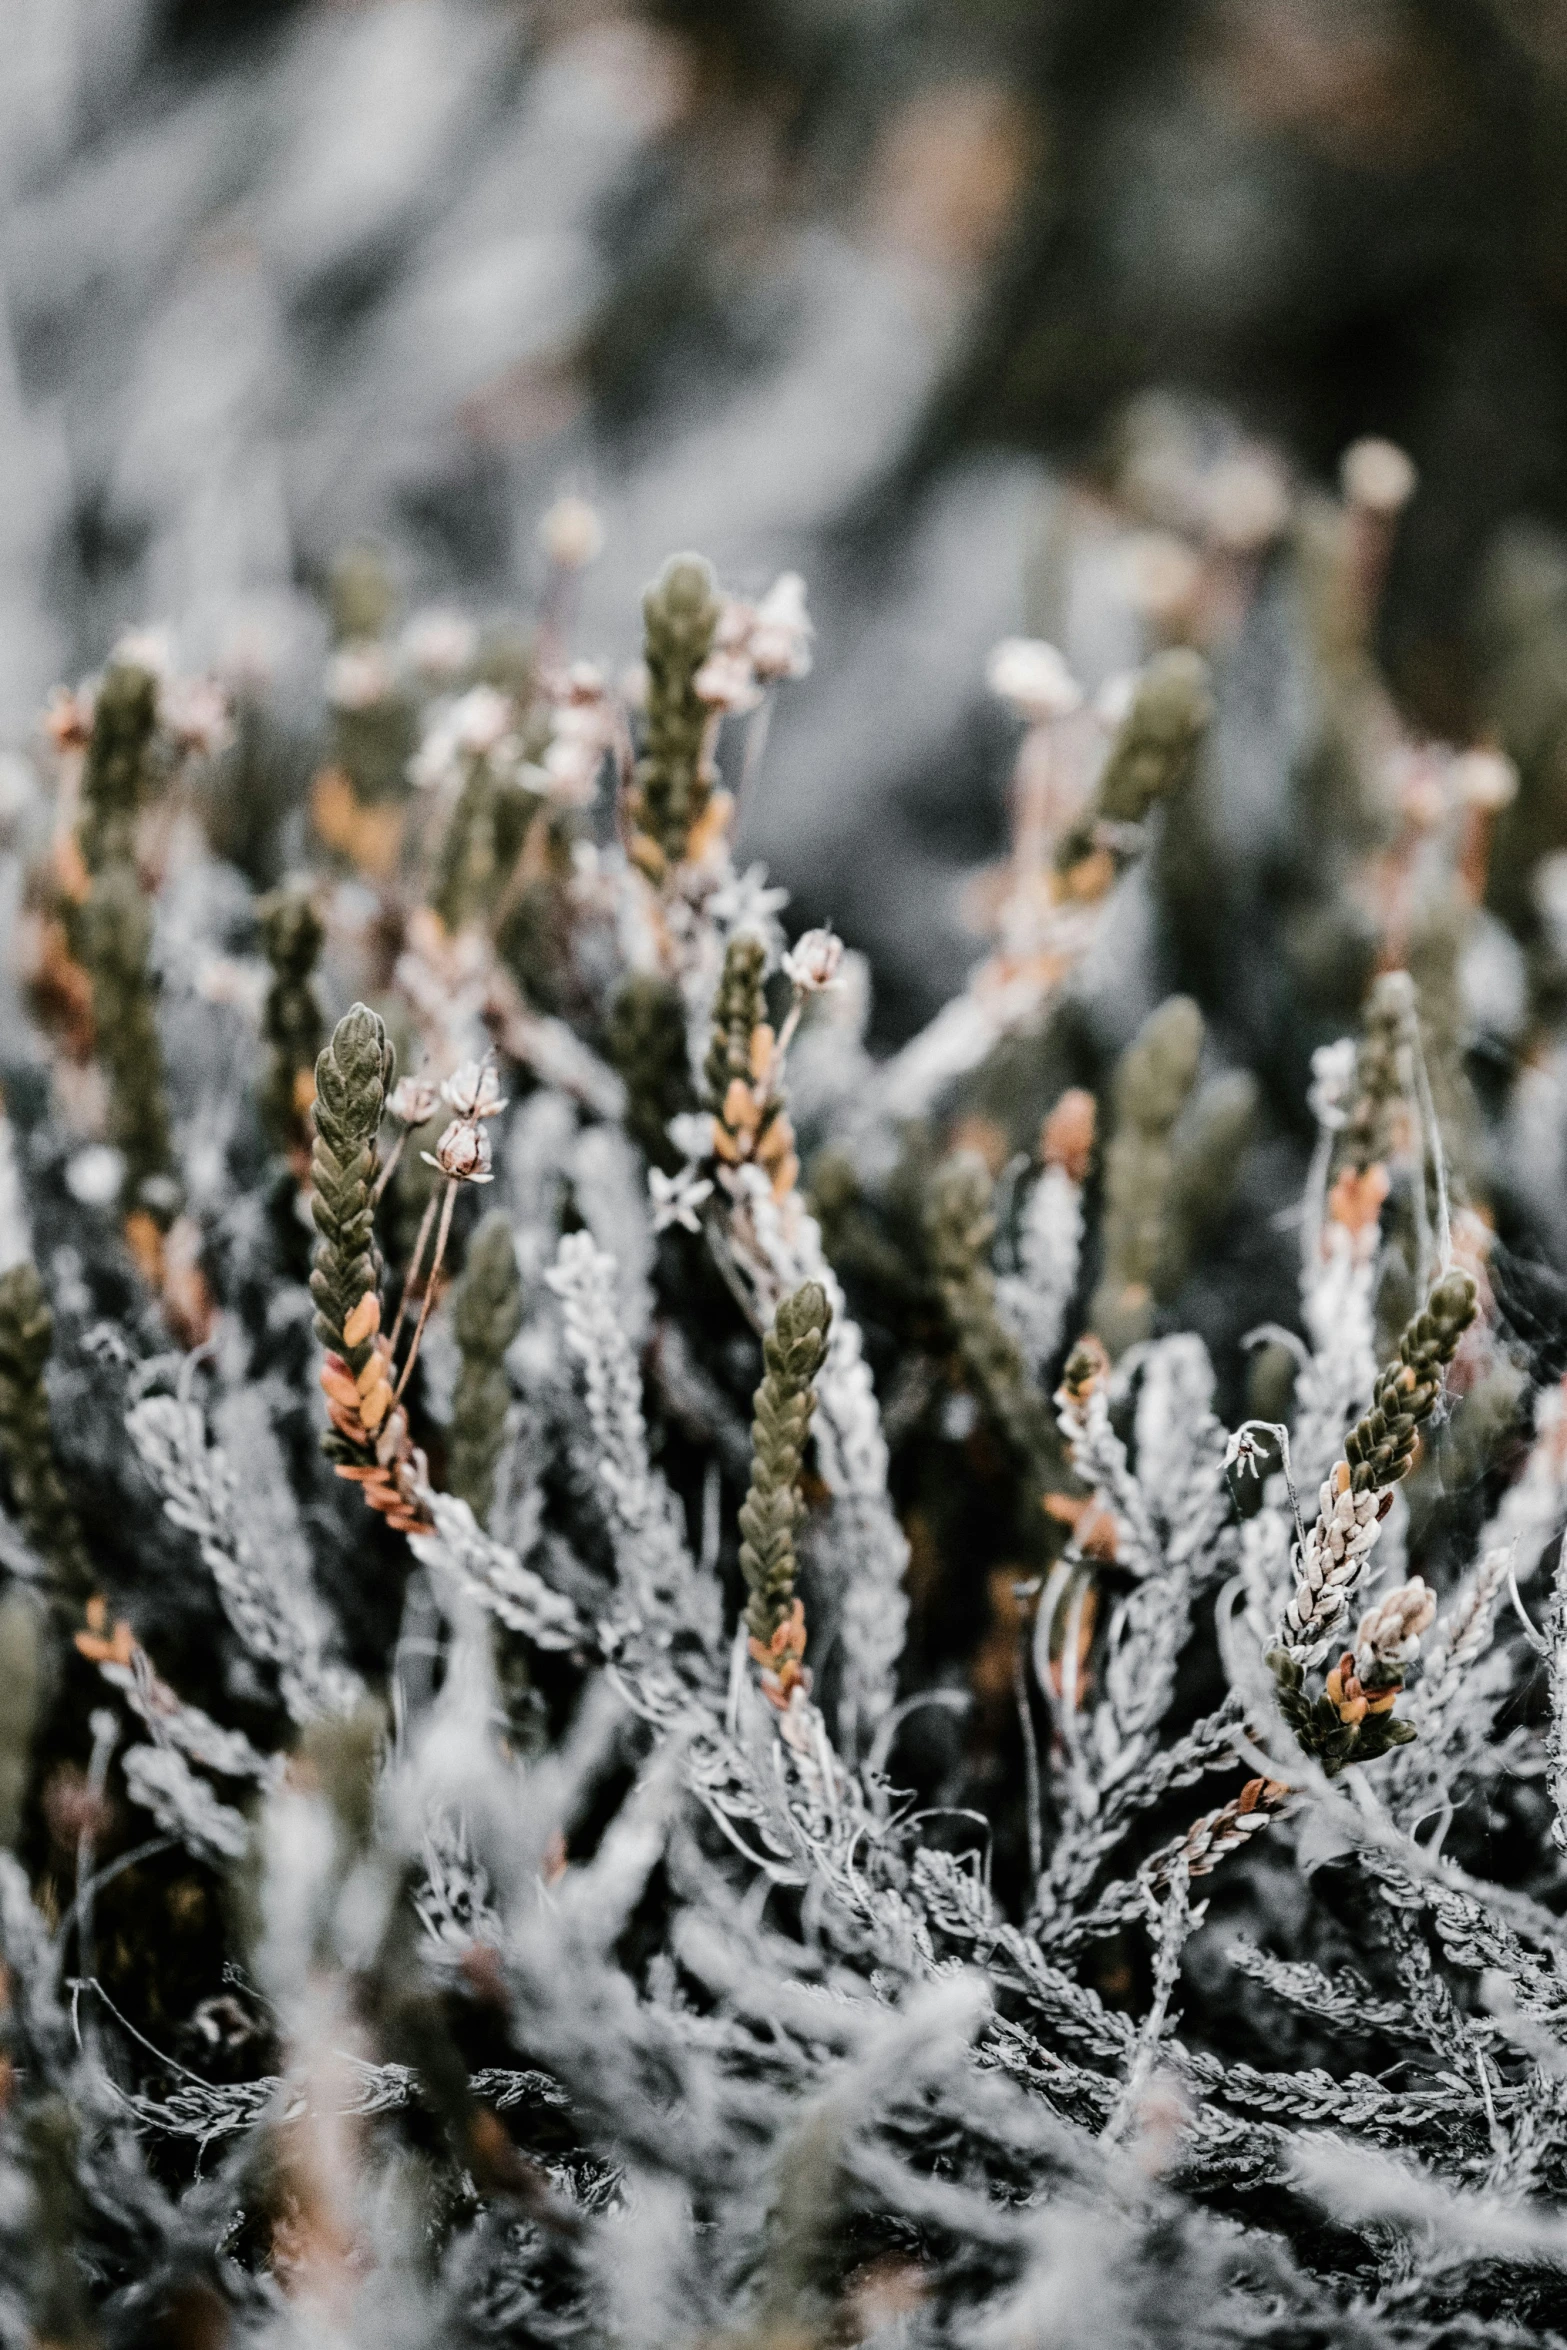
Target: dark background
(849,285)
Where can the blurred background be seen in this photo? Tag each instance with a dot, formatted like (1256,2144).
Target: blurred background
(990,317)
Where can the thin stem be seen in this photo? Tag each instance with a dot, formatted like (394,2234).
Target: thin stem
(447,1205)
(412,1274)
(1025,1715)
(755,744)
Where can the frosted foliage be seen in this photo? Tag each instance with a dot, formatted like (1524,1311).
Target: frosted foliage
(622,1731)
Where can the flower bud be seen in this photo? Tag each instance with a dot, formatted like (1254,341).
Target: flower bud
(815,961)
(463,1152)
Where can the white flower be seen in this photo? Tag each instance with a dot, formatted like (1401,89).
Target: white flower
(726,681)
(440,644)
(481,719)
(463,1152)
(1033,677)
(1246,501)
(96,1175)
(360,675)
(1377,476)
(585,726)
(781,633)
(196,712)
(473,1091)
(571,533)
(814,961)
(747,902)
(1487,780)
(412,1100)
(676,1198)
(151,649)
(691,1131)
(1332,1082)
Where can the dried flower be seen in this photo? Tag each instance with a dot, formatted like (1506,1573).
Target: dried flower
(1389,1633)
(68,716)
(571,533)
(463,1152)
(814,962)
(473,1091)
(413,1100)
(1034,678)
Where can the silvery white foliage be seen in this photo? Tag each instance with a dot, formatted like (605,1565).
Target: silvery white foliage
(658,1580)
(1179,1442)
(460,1552)
(1556,1682)
(162,1781)
(174,1722)
(1099,1457)
(1336,1379)
(1034,1299)
(265,1597)
(610,1194)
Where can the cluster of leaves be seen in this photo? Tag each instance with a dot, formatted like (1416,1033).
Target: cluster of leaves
(556,1902)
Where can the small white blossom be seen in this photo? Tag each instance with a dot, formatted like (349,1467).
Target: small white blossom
(1246,501)
(814,961)
(1034,678)
(571,533)
(360,675)
(195,711)
(473,1091)
(691,1132)
(96,1175)
(1332,1082)
(748,902)
(1487,780)
(1377,476)
(676,1198)
(440,644)
(726,681)
(412,1100)
(781,632)
(151,649)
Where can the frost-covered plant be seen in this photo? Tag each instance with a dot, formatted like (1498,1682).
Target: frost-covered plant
(439,1902)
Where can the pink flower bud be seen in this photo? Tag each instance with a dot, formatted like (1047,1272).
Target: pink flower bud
(463,1153)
